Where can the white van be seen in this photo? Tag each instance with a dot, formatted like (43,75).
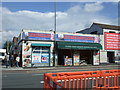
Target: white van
(2,55)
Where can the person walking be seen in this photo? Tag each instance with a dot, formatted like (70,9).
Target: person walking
(7,61)
(12,60)
(17,61)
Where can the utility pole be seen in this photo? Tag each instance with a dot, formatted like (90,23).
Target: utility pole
(54,49)
(7,47)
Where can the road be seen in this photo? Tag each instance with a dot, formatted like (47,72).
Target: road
(34,79)
(22,80)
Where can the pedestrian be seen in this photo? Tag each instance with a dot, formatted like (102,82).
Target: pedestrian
(12,60)
(17,61)
(7,60)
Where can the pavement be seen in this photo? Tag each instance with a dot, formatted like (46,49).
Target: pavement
(64,68)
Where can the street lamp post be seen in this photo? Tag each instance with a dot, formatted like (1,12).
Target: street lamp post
(54,49)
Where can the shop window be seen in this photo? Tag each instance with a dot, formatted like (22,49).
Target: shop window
(36,49)
(40,56)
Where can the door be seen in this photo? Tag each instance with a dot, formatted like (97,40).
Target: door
(110,56)
(65,57)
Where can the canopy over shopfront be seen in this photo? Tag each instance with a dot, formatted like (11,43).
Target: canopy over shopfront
(39,44)
(78,45)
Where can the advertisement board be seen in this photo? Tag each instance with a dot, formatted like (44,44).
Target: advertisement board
(59,37)
(111,41)
(39,36)
(75,38)
(45,58)
(36,58)
(68,61)
(96,58)
(26,55)
(76,59)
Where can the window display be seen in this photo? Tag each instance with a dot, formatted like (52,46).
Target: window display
(40,55)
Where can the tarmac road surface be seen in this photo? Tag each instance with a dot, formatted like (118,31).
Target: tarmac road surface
(26,78)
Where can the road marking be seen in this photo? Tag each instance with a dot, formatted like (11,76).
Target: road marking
(41,82)
(37,74)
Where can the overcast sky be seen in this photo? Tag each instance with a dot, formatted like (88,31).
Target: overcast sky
(71,16)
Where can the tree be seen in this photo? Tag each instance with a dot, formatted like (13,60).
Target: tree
(7,45)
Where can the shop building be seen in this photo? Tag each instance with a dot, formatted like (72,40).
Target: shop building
(109,39)
(36,48)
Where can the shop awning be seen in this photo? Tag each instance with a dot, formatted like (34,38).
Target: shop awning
(79,45)
(39,44)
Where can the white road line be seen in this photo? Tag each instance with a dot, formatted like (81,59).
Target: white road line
(41,82)
(37,74)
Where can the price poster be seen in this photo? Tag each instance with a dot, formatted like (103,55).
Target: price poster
(36,58)
(76,59)
(68,61)
(45,58)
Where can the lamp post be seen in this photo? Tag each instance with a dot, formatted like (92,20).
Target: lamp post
(54,49)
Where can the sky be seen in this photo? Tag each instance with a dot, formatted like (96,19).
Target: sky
(71,16)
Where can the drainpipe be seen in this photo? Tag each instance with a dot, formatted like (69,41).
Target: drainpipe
(99,50)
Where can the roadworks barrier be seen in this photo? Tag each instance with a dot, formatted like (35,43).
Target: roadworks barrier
(83,80)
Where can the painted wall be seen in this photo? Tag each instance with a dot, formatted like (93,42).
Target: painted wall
(103,57)
(26,55)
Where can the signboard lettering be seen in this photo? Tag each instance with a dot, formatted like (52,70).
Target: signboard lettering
(61,37)
(112,41)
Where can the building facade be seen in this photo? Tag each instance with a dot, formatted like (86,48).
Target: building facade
(109,39)
(36,48)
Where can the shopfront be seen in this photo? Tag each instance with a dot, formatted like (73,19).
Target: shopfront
(36,54)
(74,53)
(36,48)
(71,49)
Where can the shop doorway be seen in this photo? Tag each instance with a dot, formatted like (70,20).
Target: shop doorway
(64,54)
(110,56)
(86,55)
